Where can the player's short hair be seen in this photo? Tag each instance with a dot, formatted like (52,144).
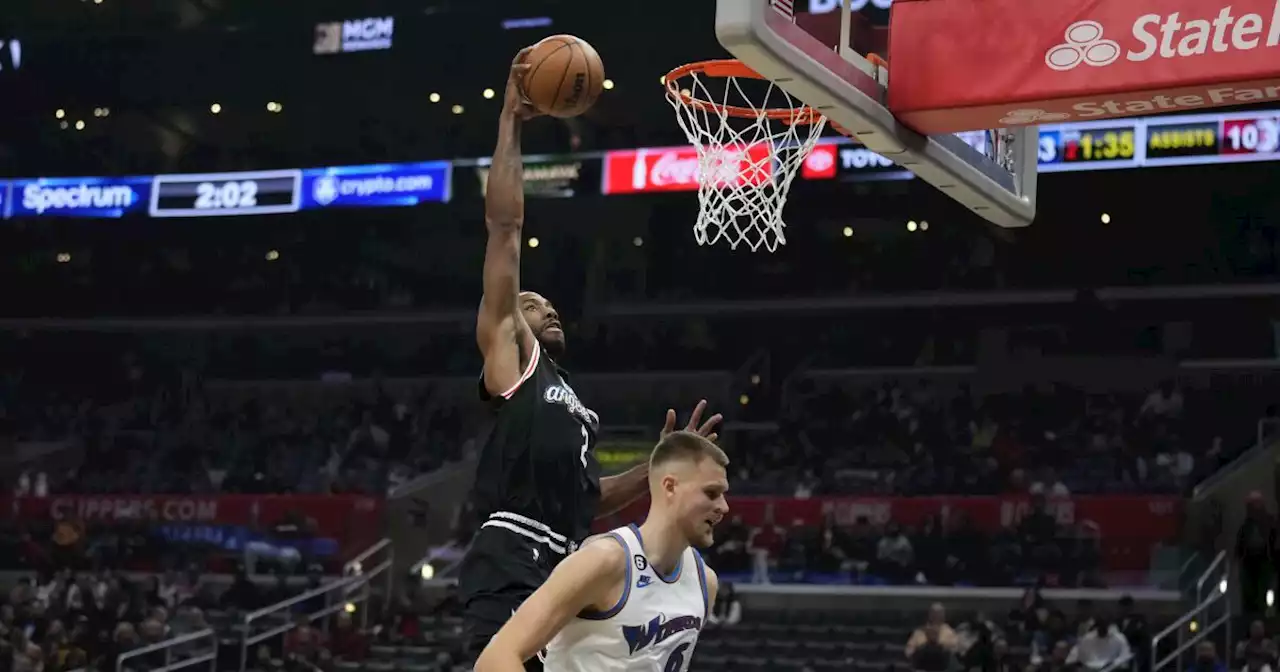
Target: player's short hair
(686,446)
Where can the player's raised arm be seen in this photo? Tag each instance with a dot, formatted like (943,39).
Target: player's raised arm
(501,333)
(587,579)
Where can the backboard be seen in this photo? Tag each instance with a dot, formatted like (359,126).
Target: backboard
(821,61)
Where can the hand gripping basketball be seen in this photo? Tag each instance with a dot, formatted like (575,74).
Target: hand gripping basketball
(514,101)
(706,429)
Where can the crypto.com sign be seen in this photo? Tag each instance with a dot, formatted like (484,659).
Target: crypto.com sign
(1077,59)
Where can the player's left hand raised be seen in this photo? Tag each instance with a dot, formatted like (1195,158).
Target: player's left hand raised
(706,429)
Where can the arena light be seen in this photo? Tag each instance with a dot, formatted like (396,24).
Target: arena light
(215,108)
(848,232)
(272,255)
(744,400)
(1106,218)
(426,571)
(755,379)
(924,226)
(912,226)
(637,241)
(533,242)
(608,84)
(64,125)
(80,125)
(59,113)
(63,257)
(488,94)
(1271,598)
(458,109)
(434,97)
(349,607)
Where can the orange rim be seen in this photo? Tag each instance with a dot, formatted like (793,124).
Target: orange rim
(732,68)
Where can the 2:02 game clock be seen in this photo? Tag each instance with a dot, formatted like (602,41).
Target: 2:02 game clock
(225,194)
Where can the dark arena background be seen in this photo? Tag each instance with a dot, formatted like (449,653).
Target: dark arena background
(240,253)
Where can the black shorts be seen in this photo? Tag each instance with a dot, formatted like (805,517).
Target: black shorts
(501,570)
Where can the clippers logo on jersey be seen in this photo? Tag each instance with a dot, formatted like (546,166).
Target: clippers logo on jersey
(657,631)
(564,395)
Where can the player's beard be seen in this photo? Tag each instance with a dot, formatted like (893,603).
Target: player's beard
(554,346)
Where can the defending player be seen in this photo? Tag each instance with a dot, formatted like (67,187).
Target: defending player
(634,599)
(538,485)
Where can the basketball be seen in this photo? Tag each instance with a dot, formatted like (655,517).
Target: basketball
(565,76)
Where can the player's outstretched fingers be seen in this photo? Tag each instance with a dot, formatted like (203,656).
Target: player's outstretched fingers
(670,425)
(708,428)
(697,415)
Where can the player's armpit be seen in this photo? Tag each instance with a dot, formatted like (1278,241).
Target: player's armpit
(585,580)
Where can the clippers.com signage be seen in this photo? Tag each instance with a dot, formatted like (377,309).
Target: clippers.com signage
(349,519)
(1078,60)
(677,169)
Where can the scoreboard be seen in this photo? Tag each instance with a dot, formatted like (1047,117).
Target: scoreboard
(1161,141)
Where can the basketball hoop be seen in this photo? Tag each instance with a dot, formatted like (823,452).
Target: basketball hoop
(750,144)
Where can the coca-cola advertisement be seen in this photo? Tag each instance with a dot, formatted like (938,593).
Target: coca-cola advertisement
(681,169)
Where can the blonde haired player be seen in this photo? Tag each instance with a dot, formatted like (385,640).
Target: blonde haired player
(633,599)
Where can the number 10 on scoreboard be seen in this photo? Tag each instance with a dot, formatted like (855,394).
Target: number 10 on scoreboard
(224,194)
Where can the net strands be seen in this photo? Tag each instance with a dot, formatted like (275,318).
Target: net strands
(750,148)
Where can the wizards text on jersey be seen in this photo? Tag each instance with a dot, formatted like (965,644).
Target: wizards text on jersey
(658,630)
(564,395)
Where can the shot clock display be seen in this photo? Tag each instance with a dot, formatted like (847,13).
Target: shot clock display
(225,194)
(1115,143)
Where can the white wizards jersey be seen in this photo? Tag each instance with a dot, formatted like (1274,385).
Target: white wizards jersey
(653,628)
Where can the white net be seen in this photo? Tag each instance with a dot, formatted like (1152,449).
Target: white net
(745,163)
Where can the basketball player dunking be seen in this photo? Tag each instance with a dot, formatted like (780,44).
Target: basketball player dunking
(538,484)
(635,599)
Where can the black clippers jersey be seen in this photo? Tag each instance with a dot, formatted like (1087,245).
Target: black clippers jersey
(539,460)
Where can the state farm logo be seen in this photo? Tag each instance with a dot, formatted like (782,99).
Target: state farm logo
(680,169)
(1169,36)
(1026,117)
(1084,44)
